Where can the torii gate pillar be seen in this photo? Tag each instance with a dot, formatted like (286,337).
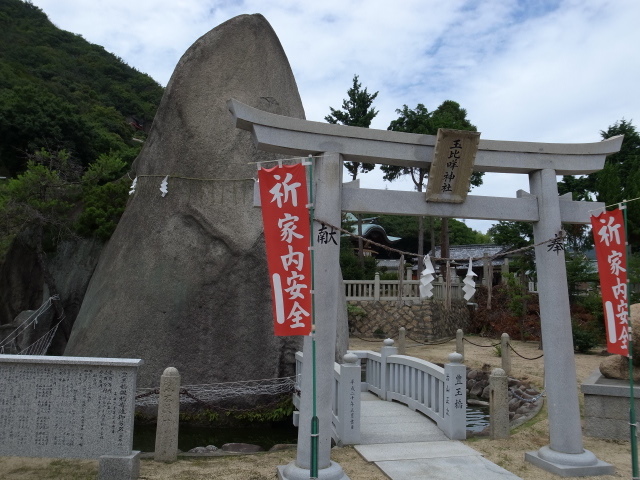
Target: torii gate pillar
(327,176)
(565,455)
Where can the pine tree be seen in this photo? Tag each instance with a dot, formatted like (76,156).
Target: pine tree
(356,112)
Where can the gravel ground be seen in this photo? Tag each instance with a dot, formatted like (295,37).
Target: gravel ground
(509,453)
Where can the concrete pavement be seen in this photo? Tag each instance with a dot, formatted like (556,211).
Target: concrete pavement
(407,445)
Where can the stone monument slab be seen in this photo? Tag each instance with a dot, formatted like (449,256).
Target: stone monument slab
(66,407)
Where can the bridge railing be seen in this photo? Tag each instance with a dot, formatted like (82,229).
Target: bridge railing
(376,289)
(437,392)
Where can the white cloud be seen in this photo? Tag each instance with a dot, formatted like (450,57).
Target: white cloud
(547,70)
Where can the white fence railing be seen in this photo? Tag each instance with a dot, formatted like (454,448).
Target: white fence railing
(439,393)
(377,289)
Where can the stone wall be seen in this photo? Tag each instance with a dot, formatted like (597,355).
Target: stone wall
(424,320)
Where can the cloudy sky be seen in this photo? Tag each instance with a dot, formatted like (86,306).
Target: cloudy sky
(528,70)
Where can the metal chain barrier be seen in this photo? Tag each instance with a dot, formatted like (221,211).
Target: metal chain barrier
(525,358)
(464,339)
(527,400)
(440,342)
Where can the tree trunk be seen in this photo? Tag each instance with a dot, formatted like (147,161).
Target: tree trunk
(432,230)
(360,243)
(444,238)
(420,244)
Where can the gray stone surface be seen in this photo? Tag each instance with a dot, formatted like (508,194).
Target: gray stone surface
(414,450)
(499,404)
(183,280)
(389,422)
(606,407)
(565,431)
(402,458)
(293,472)
(447,468)
(66,407)
(241,448)
(127,467)
(166,449)
(23,285)
(598,467)
(617,367)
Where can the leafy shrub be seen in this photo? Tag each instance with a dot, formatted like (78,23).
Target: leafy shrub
(585,336)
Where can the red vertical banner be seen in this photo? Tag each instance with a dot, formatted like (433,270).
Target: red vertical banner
(283,195)
(611,253)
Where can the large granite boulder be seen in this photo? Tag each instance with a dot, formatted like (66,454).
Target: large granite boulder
(183,281)
(617,366)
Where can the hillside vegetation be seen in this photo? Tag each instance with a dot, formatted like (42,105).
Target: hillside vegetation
(72,119)
(59,91)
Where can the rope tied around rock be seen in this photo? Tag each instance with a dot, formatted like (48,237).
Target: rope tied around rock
(217,392)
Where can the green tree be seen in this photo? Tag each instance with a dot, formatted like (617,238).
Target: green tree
(420,121)
(619,179)
(516,235)
(356,112)
(407,229)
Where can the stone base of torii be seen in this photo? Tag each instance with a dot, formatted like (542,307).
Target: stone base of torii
(565,455)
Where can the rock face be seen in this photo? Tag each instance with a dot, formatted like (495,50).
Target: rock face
(617,366)
(183,281)
(23,287)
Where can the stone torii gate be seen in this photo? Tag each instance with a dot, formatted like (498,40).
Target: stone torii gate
(542,206)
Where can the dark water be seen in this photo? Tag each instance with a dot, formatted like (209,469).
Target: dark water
(144,436)
(477,417)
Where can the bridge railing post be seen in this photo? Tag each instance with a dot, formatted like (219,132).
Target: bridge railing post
(505,353)
(385,371)
(460,343)
(402,341)
(349,400)
(455,398)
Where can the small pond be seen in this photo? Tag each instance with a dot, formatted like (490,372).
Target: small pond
(477,417)
(144,436)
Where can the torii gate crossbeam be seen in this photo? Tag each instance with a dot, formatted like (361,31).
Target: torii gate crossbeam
(543,207)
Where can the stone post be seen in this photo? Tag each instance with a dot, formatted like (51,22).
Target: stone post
(168,417)
(455,397)
(504,270)
(499,404)
(376,287)
(327,174)
(402,341)
(485,269)
(505,353)
(460,343)
(565,454)
(387,350)
(349,400)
